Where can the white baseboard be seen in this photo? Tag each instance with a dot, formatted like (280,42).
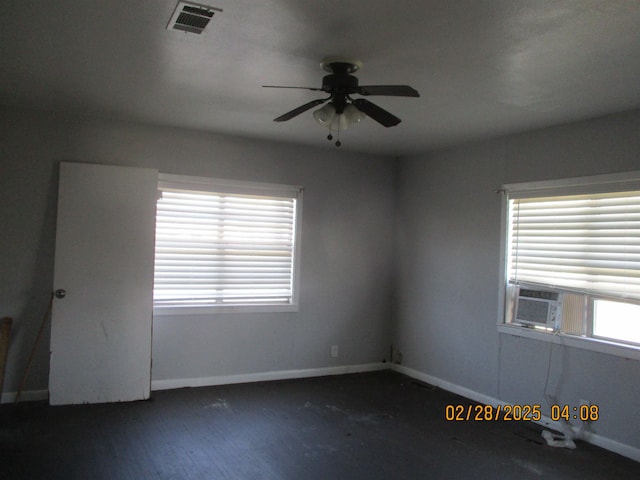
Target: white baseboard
(26,396)
(595,439)
(604,442)
(36,395)
(265,376)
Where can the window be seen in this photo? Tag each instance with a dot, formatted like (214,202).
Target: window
(226,246)
(579,238)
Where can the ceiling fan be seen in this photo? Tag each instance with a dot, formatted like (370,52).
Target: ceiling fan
(342,111)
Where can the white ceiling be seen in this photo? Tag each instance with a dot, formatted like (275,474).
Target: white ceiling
(483,68)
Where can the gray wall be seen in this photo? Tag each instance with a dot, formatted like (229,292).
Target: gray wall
(448,224)
(445,264)
(346,245)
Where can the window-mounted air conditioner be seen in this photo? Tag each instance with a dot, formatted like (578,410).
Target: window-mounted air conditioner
(538,308)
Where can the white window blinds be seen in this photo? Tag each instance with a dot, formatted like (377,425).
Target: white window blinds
(224,246)
(587,243)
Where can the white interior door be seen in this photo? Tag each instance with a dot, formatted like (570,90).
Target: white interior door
(101,329)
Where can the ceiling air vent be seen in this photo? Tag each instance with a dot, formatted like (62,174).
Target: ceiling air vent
(191,17)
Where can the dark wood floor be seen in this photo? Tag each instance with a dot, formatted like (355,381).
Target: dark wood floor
(379,425)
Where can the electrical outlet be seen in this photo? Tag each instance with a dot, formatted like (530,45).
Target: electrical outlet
(334,351)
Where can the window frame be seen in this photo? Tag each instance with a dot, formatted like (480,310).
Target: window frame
(560,187)
(218,185)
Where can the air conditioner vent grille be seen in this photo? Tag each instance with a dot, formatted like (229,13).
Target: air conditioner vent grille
(191,17)
(197,11)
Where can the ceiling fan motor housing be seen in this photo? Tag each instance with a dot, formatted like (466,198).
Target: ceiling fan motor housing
(340,84)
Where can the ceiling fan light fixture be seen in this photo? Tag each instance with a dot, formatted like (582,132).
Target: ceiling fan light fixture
(353,115)
(328,118)
(325,115)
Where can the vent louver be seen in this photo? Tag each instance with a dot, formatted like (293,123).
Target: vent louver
(191,17)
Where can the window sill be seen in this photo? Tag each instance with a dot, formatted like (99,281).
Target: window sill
(212,310)
(593,344)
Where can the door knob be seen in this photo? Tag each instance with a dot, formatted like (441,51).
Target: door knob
(60,293)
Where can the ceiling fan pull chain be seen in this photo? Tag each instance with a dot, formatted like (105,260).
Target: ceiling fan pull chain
(330,136)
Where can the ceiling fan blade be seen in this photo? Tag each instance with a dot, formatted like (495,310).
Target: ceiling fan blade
(297,111)
(300,88)
(390,90)
(380,115)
